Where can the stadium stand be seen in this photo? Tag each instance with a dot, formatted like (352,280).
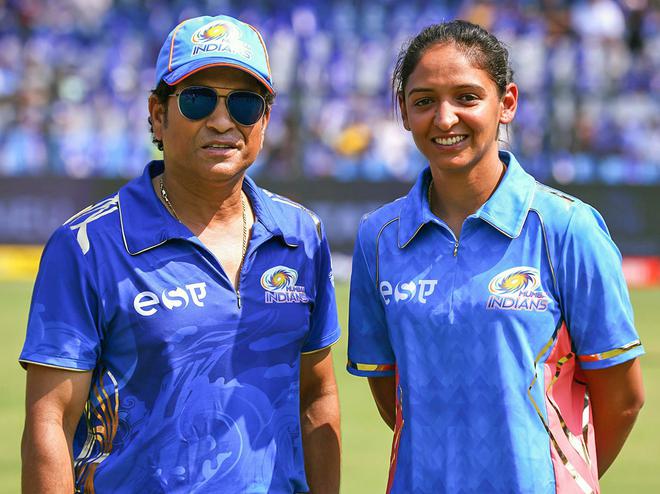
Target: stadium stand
(75,76)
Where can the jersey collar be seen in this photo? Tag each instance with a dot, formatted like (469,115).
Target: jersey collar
(266,213)
(146,223)
(506,210)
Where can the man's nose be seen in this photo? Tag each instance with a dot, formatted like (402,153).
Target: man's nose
(220,119)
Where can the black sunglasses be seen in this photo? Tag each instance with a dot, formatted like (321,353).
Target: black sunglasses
(244,107)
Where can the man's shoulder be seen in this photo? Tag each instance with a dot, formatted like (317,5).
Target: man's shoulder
(96,210)
(302,220)
(93,222)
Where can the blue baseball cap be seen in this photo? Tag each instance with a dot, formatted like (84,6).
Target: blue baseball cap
(220,41)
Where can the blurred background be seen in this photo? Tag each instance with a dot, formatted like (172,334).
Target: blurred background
(75,76)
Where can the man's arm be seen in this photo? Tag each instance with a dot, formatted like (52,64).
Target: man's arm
(54,402)
(319,419)
(383,390)
(617,395)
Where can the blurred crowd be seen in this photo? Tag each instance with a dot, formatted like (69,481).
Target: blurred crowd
(75,76)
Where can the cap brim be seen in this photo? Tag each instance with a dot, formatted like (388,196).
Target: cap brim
(188,69)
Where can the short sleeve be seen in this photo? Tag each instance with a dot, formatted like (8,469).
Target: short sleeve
(63,327)
(324,324)
(594,294)
(369,351)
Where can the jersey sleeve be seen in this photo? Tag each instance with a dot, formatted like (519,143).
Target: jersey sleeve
(369,351)
(63,322)
(594,294)
(324,324)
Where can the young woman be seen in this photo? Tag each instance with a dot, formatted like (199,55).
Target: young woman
(488,311)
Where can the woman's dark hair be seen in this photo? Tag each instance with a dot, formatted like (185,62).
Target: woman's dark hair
(483,49)
(163,92)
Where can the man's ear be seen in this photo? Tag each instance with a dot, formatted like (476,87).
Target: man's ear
(509,104)
(404,113)
(264,124)
(158,115)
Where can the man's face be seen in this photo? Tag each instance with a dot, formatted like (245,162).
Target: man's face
(215,147)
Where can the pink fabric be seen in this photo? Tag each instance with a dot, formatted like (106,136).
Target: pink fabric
(565,398)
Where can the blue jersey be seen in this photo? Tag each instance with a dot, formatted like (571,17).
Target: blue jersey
(488,336)
(193,390)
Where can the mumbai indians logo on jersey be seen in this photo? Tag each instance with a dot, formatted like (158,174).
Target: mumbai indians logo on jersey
(280,285)
(219,36)
(517,289)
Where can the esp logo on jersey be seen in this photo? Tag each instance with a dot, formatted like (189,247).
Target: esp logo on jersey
(417,290)
(147,303)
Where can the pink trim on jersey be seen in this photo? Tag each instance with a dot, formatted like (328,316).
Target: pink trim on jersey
(572,442)
(398,426)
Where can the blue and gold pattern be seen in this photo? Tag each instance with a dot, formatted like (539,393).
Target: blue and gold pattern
(102,421)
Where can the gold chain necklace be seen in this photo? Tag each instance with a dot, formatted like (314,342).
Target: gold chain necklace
(163,194)
(168,203)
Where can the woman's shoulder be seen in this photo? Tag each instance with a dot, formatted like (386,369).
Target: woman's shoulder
(561,212)
(378,219)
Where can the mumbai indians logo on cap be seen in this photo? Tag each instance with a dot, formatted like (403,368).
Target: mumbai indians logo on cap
(219,36)
(517,289)
(280,285)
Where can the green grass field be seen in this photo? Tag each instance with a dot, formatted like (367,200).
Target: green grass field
(366,440)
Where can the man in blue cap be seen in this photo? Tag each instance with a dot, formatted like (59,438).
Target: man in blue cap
(180,330)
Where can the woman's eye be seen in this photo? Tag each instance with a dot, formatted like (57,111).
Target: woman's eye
(422,101)
(468,97)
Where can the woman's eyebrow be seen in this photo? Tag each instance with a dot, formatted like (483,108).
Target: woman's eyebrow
(460,87)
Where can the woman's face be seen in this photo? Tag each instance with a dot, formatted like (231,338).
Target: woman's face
(453,110)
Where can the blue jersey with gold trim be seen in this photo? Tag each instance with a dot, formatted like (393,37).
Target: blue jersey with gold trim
(488,336)
(193,391)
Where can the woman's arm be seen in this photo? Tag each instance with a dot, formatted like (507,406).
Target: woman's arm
(617,395)
(384,391)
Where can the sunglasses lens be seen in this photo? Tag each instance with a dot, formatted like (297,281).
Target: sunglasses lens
(196,103)
(245,107)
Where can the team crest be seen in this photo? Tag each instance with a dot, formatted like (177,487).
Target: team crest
(279,283)
(517,289)
(219,36)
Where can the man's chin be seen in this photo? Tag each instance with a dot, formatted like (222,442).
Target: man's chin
(227,169)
